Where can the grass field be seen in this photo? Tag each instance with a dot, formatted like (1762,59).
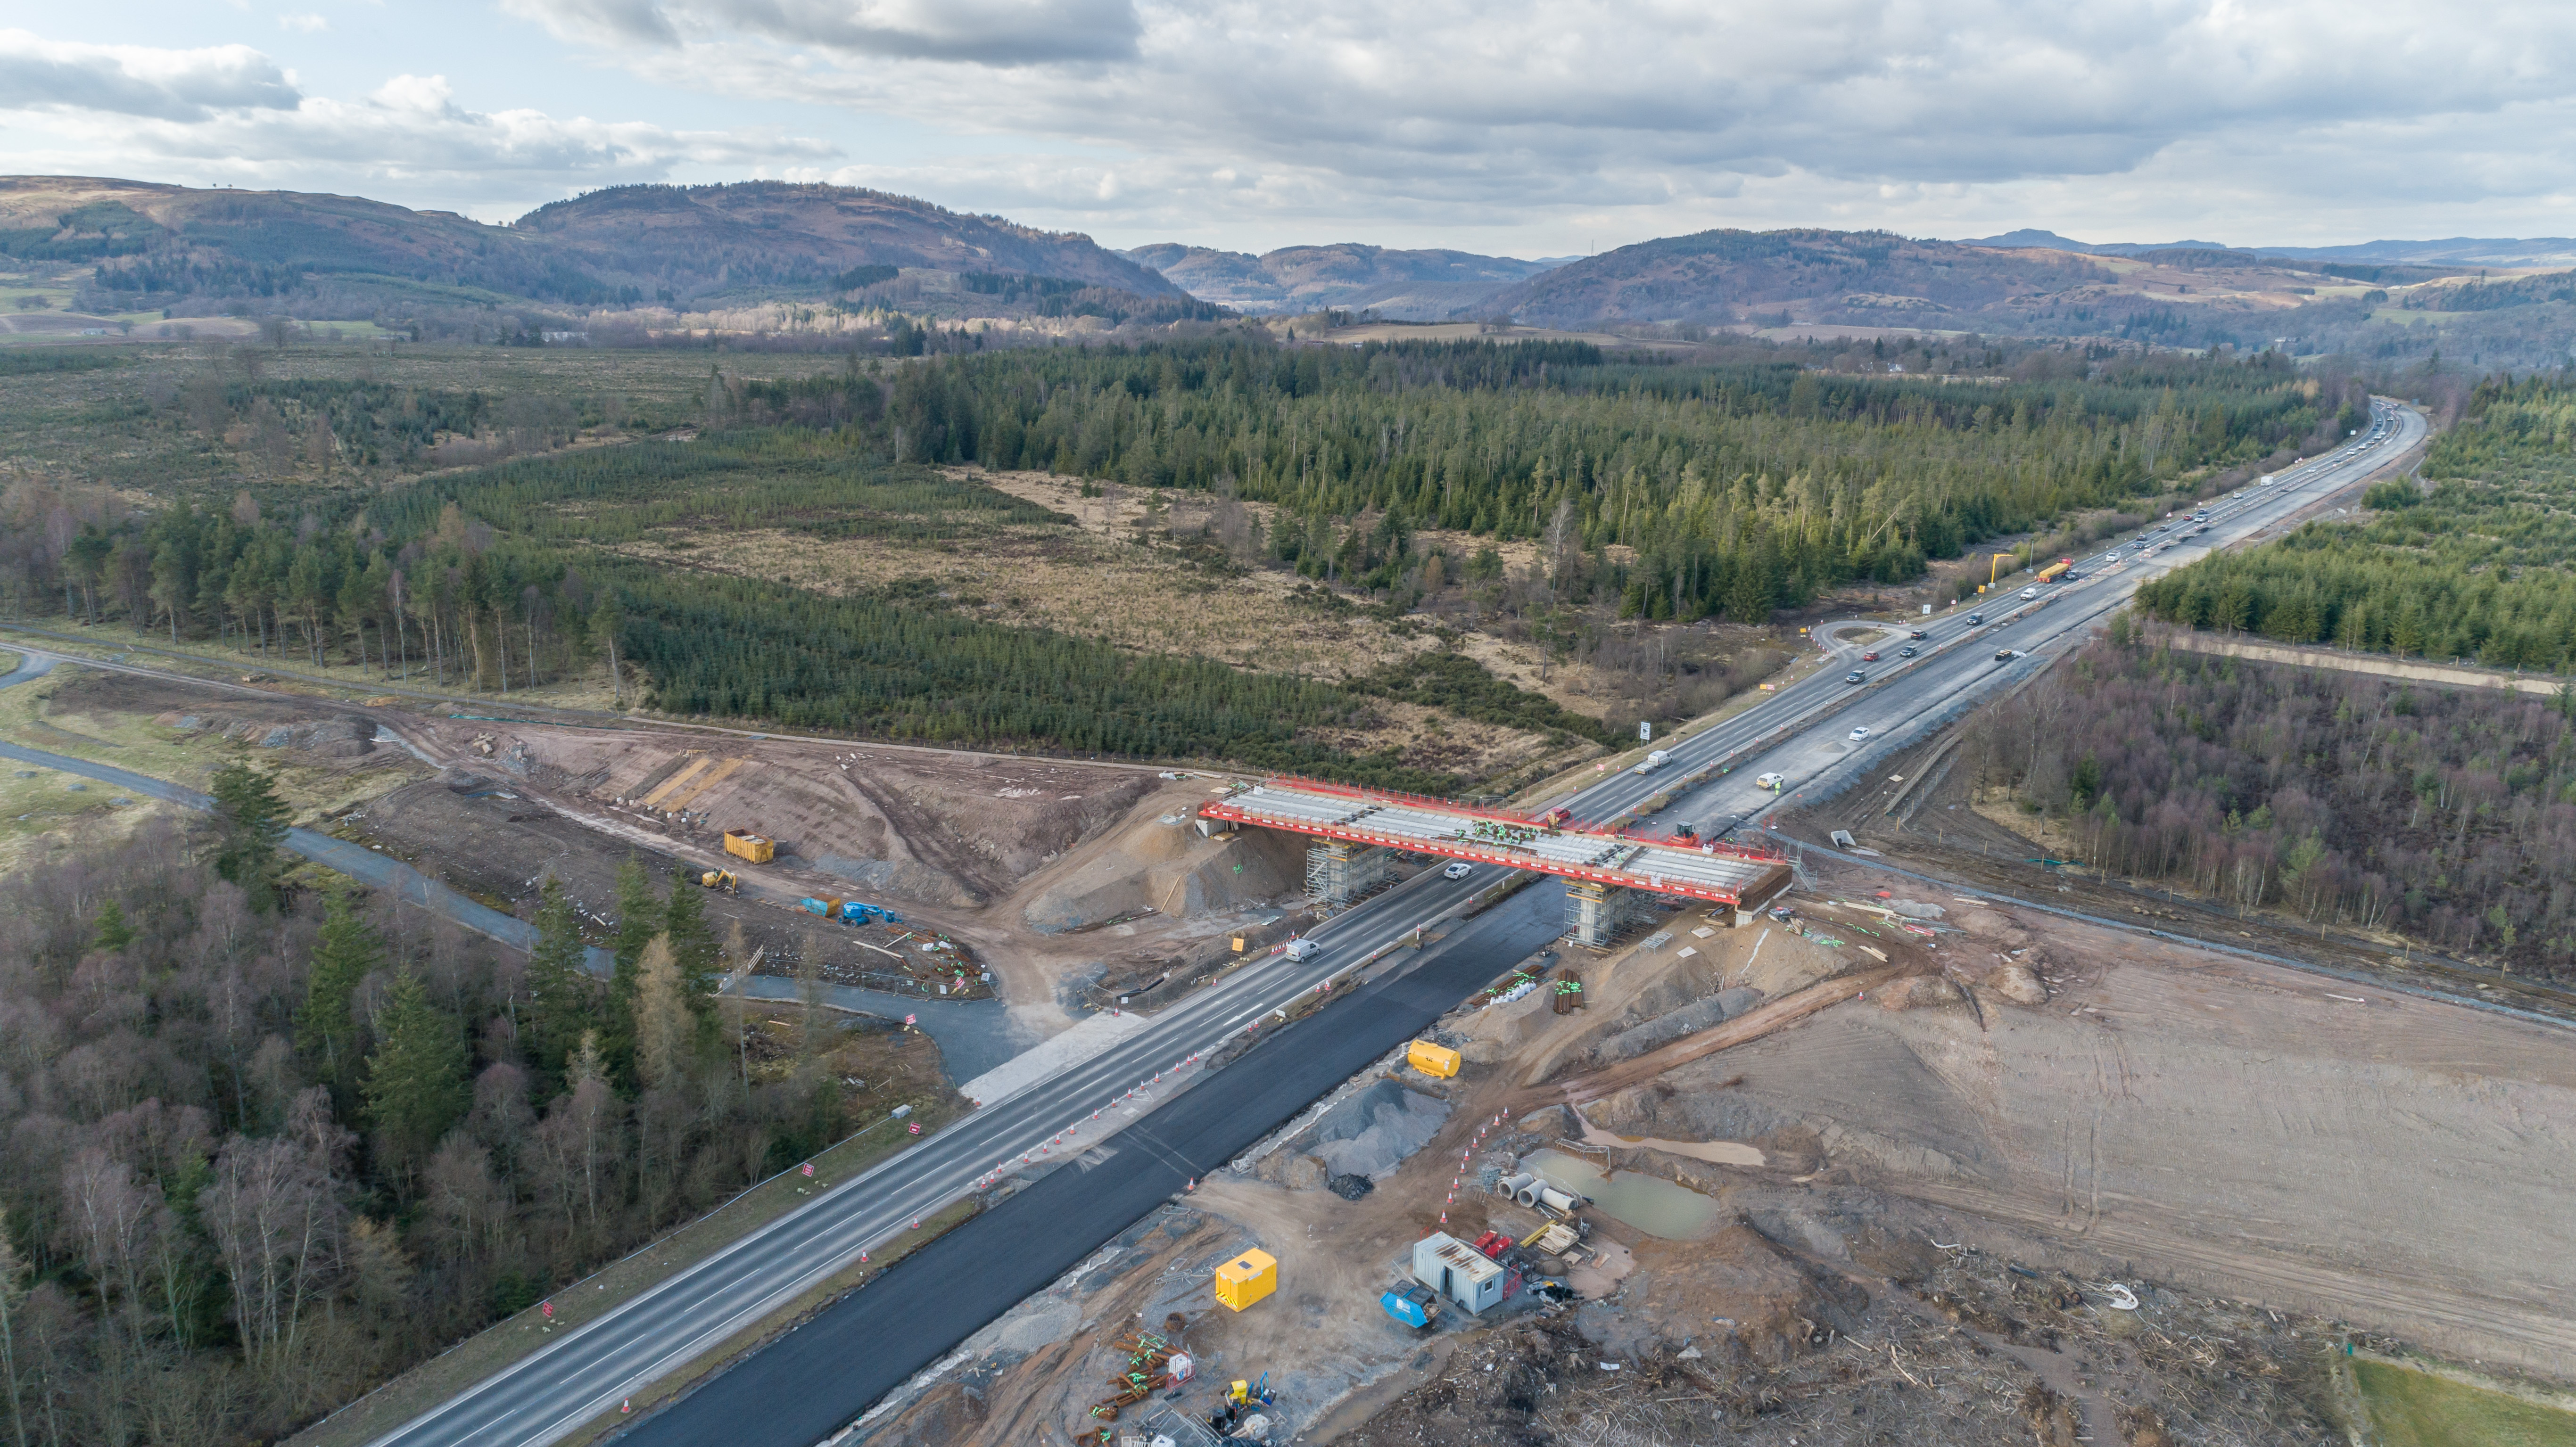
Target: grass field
(2419,1409)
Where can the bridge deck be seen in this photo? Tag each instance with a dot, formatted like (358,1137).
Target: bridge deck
(1719,873)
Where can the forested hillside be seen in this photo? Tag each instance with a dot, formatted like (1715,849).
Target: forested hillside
(263,1152)
(2444,814)
(2476,568)
(1739,489)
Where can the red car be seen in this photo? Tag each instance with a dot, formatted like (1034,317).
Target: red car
(1870,657)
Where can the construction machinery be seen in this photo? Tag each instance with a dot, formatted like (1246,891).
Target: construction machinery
(743,844)
(724,879)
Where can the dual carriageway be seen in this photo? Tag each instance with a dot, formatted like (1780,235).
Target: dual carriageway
(826,1372)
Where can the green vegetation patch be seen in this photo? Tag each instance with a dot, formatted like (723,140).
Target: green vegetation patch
(2417,1409)
(1739,488)
(2478,568)
(36,361)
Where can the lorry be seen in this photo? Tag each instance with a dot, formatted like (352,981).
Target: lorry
(2053,571)
(743,844)
(1654,761)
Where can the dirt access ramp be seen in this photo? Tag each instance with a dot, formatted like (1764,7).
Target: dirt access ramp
(2247,1129)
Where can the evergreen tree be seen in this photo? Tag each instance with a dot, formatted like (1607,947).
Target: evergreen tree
(416,1085)
(639,918)
(247,827)
(562,991)
(342,958)
(113,932)
(693,943)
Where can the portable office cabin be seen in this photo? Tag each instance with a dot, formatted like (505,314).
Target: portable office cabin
(1457,1271)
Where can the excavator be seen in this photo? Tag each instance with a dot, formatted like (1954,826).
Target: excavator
(724,879)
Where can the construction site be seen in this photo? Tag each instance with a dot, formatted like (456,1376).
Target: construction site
(1765,1150)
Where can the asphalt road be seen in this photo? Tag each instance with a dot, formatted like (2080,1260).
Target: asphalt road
(821,1375)
(587,1372)
(804,1386)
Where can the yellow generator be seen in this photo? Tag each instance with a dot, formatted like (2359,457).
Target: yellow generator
(1437,1061)
(743,844)
(1247,1278)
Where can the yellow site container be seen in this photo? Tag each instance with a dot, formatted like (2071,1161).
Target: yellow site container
(1437,1061)
(1247,1278)
(747,845)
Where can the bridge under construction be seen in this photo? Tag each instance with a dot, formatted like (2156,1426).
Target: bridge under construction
(1361,829)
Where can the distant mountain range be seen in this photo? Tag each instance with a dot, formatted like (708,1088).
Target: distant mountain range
(2456,251)
(1404,285)
(150,244)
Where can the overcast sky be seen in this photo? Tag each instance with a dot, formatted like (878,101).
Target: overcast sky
(1509,127)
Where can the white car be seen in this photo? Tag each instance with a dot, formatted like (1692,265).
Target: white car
(1458,869)
(1859,734)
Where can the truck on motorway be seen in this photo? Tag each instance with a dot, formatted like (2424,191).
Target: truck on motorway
(1654,761)
(2055,570)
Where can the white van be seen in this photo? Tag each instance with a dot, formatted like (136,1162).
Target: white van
(1773,782)
(1303,949)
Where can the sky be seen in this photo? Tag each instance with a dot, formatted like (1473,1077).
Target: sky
(1503,127)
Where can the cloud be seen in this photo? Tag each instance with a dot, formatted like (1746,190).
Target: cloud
(978,32)
(309,24)
(412,130)
(1477,109)
(134,80)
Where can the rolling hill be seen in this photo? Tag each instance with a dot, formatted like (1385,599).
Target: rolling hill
(1408,285)
(151,245)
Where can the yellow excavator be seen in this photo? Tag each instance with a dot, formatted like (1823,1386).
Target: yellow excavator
(724,879)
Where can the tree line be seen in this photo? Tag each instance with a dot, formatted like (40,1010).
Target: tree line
(266,1148)
(1733,489)
(2344,799)
(2474,568)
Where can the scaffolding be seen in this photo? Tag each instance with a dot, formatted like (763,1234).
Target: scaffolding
(1597,914)
(1338,873)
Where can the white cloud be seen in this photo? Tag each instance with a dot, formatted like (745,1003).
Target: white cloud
(134,80)
(981,32)
(1474,113)
(309,24)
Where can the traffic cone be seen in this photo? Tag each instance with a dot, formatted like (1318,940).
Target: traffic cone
(625,1405)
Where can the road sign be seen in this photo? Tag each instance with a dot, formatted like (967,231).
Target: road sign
(1645,731)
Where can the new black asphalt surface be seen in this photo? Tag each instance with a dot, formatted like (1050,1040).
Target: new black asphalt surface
(808,1383)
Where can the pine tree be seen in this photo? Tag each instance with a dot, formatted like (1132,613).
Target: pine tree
(639,918)
(248,825)
(114,933)
(342,958)
(562,991)
(416,1085)
(693,943)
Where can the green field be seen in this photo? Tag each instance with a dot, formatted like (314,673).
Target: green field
(2417,1409)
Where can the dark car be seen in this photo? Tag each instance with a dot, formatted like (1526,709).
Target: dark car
(1870,657)
(1918,634)
(2003,655)
(1976,618)
(1855,676)
(1908,651)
